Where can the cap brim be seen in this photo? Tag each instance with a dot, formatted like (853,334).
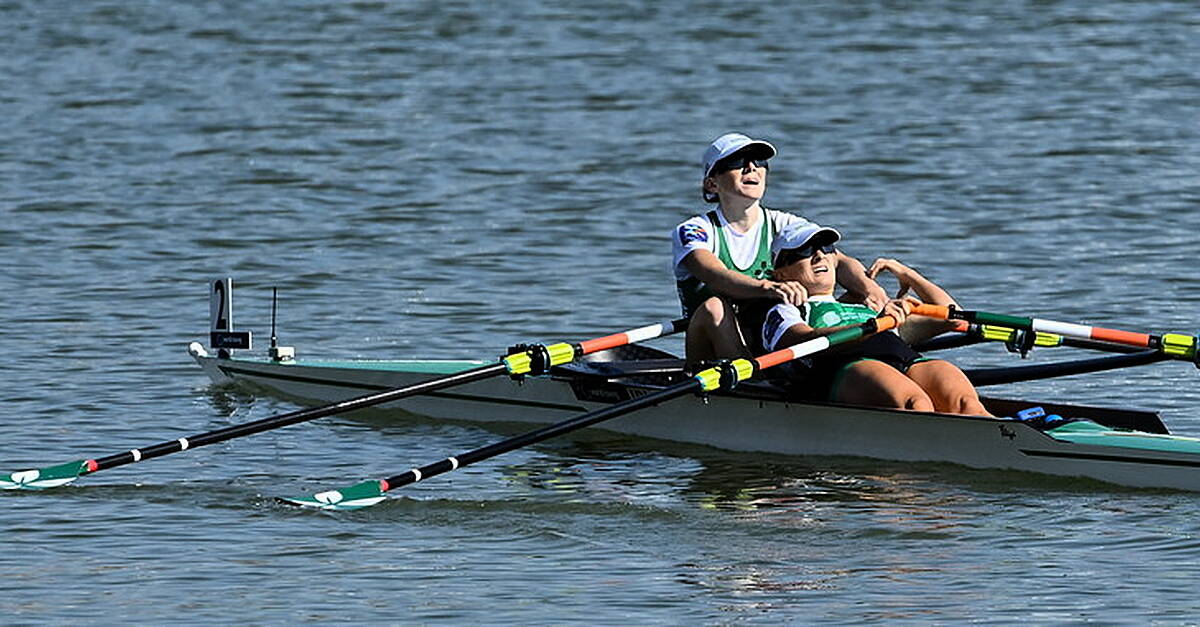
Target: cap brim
(825,235)
(757,148)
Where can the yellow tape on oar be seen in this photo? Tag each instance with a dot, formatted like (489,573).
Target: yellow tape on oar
(1179,345)
(1005,334)
(519,363)
(561,353)
(522,363)
(710,379)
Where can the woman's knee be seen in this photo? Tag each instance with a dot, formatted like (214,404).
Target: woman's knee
(714,311)
(966,403)
(913,398)
(949,388)
(876,383)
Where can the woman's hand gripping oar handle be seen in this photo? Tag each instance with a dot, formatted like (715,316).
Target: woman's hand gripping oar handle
(533,360)
(724,376)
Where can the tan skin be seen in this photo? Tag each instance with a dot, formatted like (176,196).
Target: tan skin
(713,331)
(934,385)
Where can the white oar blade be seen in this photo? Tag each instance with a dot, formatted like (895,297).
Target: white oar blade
(44,478)
(357,496)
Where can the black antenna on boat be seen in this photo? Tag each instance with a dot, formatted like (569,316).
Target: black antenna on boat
(274,305)
(278,353)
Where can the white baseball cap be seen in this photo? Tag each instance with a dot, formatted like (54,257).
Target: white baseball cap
(797,234)
(726,145)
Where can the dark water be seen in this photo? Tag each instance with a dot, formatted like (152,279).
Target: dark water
(425,179)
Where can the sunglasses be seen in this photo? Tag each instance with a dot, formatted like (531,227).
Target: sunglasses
(738,162)
(791,255)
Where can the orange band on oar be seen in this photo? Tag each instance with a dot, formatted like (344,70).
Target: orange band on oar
(632,337)
(771,360)
(1121,337)
(817,344)
(932,311)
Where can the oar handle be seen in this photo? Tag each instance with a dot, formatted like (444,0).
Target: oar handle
(803,349)
(934,311)
(539,358)
(587,347)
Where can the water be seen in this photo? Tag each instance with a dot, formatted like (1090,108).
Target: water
(428,179)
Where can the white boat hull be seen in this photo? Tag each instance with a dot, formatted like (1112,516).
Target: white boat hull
(750,425)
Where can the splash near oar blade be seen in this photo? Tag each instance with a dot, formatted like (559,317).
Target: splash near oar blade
(43,478)
(357,496)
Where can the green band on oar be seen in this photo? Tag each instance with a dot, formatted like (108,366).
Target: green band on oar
(724,376)
(533,360)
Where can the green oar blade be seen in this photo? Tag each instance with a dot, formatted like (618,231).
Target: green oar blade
(357,496)
(41,479)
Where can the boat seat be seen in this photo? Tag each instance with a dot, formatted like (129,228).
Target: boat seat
(620,369)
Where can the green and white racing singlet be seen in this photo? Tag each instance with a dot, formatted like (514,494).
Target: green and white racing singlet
(695,234)
(819,312)
(824,313)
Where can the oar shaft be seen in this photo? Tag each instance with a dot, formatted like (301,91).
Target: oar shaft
(814,345)
(1013,374)
(974,333)
(538,435)
(295,417)
(710,379)
(1173,344)
(532,360)
(518,363)
(633,336)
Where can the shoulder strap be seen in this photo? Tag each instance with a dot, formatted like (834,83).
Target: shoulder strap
(719,240)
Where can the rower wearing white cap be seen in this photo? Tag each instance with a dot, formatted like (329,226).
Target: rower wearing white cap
(882,370)
(724,256)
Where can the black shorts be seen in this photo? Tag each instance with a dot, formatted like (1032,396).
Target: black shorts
(818,377)
(750,316)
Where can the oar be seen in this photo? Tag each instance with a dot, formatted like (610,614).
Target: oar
(980,377)
(1172,345)
(533,360)
(723,376)
(1018,340)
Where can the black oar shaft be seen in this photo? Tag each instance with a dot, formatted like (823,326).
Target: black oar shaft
(532,360)
(540,435)
(728,374)
(295,417)
(723,375)
(1014,374)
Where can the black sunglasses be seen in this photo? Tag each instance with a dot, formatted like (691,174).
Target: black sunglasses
(738,162)
(788,256)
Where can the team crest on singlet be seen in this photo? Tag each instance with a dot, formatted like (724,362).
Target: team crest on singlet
(692,233)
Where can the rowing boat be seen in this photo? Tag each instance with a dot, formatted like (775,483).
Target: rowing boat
(1118,446)
(602,382)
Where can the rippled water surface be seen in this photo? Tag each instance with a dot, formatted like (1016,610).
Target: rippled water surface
(429,179)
